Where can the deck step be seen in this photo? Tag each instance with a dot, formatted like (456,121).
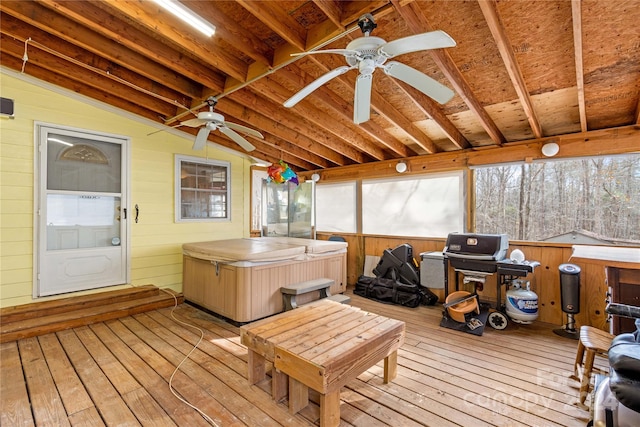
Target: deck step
(341,298)
(290,292)
(41,318)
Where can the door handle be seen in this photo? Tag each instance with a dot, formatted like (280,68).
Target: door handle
(137,213)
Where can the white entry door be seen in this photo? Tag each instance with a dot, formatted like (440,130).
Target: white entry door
(82,231)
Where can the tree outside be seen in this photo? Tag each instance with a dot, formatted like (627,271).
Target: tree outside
(537,201)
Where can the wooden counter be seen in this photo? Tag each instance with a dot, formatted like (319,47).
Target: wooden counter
(622,267)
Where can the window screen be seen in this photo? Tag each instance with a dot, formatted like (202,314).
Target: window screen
(425,206)
(336,207)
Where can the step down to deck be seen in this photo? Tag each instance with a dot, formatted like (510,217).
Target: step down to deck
(39,318)
(341,298)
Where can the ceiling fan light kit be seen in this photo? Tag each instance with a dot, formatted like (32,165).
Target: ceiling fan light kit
(368,53)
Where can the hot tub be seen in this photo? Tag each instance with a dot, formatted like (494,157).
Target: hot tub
(240,279)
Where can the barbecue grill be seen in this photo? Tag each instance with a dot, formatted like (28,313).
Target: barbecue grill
(478,256)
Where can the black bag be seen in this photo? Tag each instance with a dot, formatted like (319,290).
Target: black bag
(394,292)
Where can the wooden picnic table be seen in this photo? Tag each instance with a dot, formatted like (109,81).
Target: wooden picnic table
(322,346)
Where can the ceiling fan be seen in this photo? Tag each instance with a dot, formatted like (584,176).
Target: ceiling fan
(210,120)
(368,53)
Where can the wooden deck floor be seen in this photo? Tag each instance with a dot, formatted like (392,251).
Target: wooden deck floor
(116,373)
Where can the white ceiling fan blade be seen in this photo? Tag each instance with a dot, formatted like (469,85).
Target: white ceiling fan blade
(420,81)
(237,138)
(201,138)
(345,52)
(193,123)
(425,41)
(362,99)
(315,85)
(244,129)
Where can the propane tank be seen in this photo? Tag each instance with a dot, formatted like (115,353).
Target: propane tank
(522,302)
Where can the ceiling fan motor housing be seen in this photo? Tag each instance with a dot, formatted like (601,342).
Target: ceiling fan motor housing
(211,116)
(367,48)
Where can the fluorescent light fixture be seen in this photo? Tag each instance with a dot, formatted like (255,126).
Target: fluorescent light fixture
(188,16)
(59,141)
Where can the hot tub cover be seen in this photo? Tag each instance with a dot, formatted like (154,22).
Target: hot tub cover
(311,246)
(232,250)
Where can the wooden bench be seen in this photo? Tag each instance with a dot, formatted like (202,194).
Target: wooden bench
(322,346)
(290,292)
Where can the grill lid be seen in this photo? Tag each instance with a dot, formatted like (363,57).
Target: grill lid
(485,247)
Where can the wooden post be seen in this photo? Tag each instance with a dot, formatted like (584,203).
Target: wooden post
(390,367)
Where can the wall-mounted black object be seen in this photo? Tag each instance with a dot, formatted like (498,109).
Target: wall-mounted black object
(6,107)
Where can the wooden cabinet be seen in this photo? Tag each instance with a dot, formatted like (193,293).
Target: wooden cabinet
(624,284)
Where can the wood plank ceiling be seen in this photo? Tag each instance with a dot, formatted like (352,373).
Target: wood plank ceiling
(522,69)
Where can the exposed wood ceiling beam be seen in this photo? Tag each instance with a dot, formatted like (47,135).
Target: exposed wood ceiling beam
(406,126)
(332,9)
(593,143)
(264,148)
(100,81)
(306,134)
(12,60)
(120,56)
(88,14)
(418,23)
(430,109)
(281,23)
(154,19)
(283,146)
(576,14)
(276,134)
(264,151)
(490,11)
(275,154)
(311,113)
(228,29)
(28,35)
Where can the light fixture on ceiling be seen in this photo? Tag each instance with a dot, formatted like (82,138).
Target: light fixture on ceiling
(401,167)
(315,177)
(550,149)
(188,16)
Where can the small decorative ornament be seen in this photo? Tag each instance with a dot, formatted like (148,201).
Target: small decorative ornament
(281,173)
